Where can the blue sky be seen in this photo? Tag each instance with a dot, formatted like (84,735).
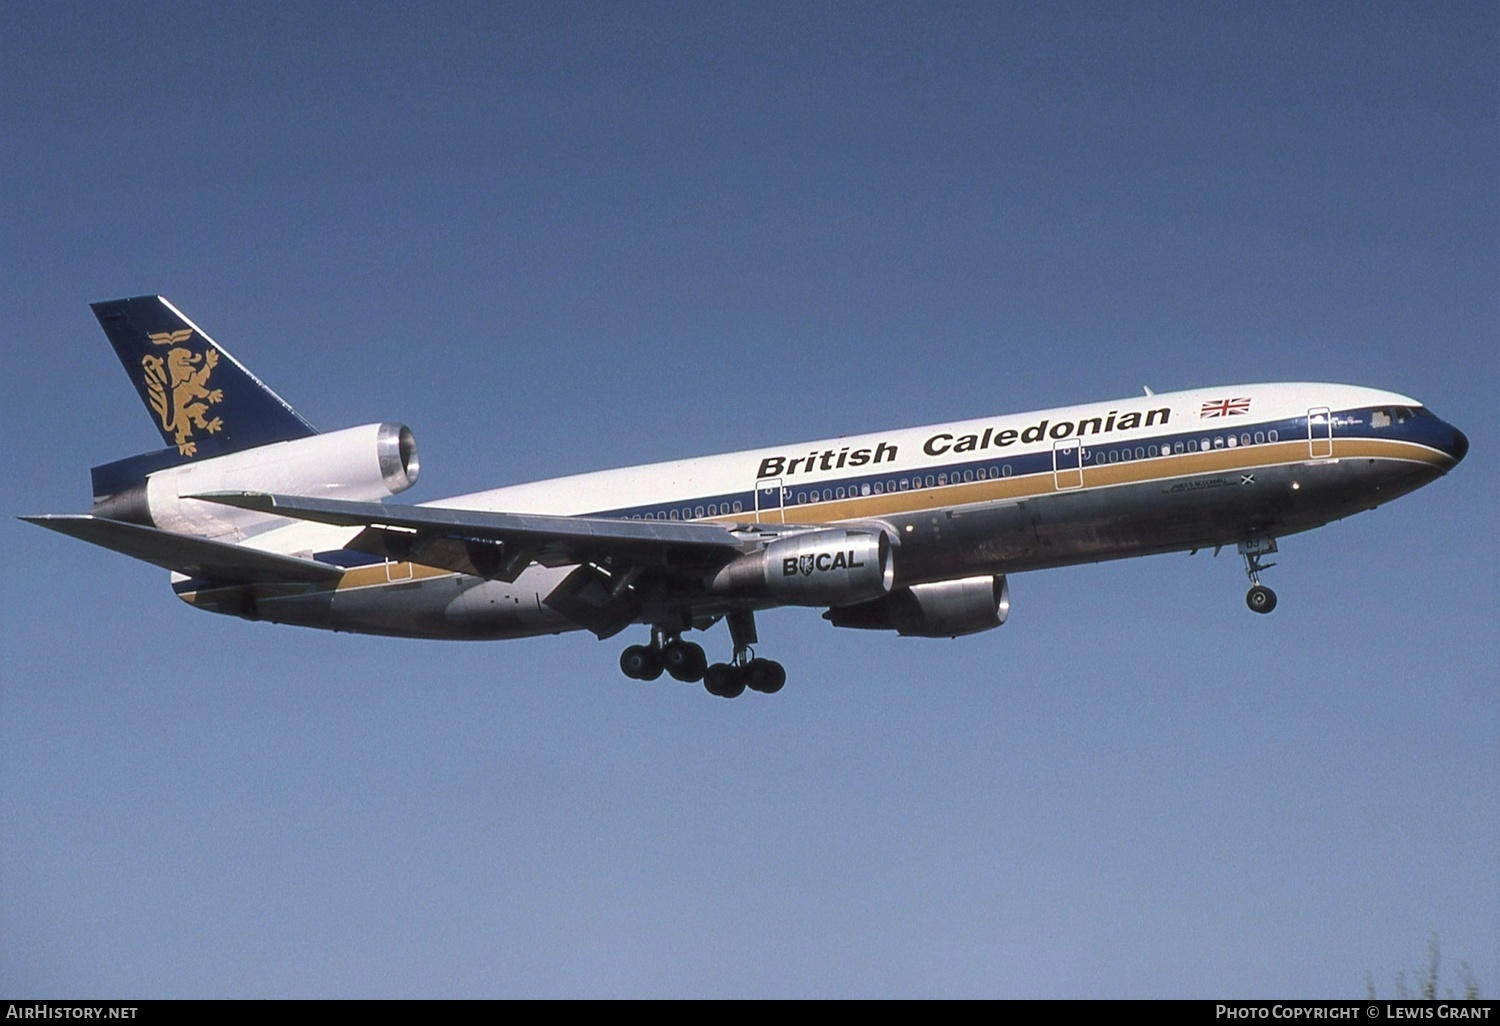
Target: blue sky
(554,238)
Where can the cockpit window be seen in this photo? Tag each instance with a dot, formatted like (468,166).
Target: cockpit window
(1380,418)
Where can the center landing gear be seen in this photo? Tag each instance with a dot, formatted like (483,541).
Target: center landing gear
(1259,598)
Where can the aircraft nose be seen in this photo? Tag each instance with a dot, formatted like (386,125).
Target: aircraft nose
(1460,446)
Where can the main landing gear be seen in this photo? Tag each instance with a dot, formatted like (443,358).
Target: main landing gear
(682,659)
(1259,598)
(685,661)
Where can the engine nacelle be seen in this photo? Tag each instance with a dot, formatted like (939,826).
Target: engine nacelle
(360,464)
(817,568)
(943,609)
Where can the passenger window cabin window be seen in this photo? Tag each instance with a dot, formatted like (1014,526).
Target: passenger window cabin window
(1260,436)
(864,489)
(1005,470)
(674,514)
(1271,435)
(1177,448)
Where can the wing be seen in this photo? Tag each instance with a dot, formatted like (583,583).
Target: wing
(624,566)
(196,557)
(516,539)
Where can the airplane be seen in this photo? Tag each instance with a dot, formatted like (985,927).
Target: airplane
(259,515)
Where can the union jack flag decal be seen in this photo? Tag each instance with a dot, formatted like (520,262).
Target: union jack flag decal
(1224,408)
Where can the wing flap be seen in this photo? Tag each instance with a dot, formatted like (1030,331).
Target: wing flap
(196,557)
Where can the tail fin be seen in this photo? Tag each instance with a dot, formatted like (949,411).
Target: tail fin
(202,400)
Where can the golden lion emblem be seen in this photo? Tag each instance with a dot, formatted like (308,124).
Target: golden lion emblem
(178,387)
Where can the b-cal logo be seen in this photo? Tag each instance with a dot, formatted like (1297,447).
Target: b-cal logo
(791,566)
(178,388)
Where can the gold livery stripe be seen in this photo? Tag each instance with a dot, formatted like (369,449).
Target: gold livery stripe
(1151,468)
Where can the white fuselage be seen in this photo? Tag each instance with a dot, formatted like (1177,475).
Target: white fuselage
(988,496)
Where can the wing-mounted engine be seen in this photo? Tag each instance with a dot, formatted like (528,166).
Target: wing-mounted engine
(361,463)
(943,609)
(815,568)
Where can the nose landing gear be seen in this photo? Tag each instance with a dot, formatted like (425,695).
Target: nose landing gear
(1259,598)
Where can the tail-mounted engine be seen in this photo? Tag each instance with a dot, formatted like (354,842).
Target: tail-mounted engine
(817,568)
(364,463)
(943,609)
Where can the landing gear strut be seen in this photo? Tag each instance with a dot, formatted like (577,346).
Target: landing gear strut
(1259,598)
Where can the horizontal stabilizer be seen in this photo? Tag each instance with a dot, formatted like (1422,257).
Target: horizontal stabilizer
(195,557)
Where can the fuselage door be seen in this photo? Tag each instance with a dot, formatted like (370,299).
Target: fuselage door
(1319,433)
(768,509)
(1067,464)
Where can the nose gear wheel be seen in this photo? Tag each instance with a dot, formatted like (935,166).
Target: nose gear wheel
(1259,598)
